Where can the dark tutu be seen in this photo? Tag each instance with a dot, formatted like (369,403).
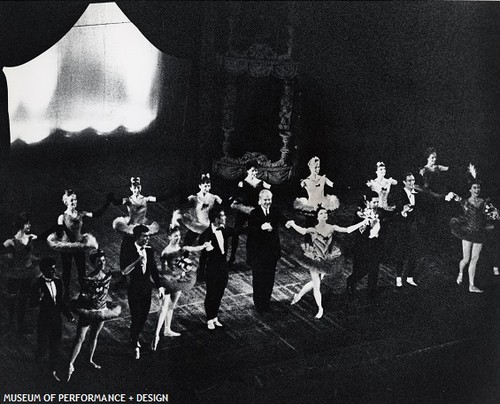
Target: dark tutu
(325,264)
(182,278)
(175,282)
(63,244)
(107,312)
(462,229)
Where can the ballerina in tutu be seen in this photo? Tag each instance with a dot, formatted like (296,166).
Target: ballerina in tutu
(471,228)
(20,268)
(322,251)
(92,308)
(69,239)
(196,218)
(246,200)
(137,206)
(315,187)
(382,186)
(178,274)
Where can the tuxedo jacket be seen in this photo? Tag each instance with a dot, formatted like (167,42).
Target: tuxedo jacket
(215,259)
(403,199)
(138,280)
(263,244)
(50,311)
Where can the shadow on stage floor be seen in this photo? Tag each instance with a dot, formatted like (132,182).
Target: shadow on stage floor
(434,343)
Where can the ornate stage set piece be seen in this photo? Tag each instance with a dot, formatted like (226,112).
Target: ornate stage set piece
(259,61)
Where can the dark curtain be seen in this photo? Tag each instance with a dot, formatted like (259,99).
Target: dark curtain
(27,29)
(174,27)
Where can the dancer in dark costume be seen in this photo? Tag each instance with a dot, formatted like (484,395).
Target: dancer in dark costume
(19,268)
(246,199)
(92,308)
(470,227)
(322,251)
(178,274)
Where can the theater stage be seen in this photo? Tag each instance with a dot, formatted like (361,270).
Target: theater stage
(434,343)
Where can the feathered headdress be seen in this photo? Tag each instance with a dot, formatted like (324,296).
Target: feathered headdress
(473,174)
(380,164)
(135,181)
(472,171)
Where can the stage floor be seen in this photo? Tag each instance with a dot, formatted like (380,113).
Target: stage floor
(433,343)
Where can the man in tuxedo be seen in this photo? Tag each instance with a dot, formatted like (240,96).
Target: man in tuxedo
(263,248)
(140,265)
(48,293)
(367,254)
(216,266)
(407,204)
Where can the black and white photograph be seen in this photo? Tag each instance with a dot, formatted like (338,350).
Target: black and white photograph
(250,202)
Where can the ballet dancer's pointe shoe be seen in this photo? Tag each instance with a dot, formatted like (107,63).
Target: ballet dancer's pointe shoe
(460,279)
(71,369)
(295,299)
(95,365)
(217,322)
(475,289)
(320,313)
(154,344)
(170,333)
(496,271)
(137,353)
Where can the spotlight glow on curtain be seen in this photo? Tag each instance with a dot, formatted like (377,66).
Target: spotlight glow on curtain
(100,75)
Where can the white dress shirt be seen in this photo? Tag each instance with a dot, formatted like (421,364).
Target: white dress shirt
(411,196)
(141,250)
(51,286)
(219,237)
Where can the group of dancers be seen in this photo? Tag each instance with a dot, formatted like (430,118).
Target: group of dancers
(202,254)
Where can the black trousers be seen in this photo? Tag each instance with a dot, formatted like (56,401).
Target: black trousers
(139,302)
(67,261)
(239,221)
(216,284)
(48,336)
(408,245)
(263,273)
(362,266)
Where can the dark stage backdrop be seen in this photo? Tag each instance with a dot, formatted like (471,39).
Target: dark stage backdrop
(383,81)
(378,81)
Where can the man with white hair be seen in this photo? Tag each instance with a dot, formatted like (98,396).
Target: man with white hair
(263,248)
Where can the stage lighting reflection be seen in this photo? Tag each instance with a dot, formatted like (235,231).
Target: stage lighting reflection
(100,76)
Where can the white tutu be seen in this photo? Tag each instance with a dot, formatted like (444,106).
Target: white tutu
(328,202)
(88,242)
(121,225)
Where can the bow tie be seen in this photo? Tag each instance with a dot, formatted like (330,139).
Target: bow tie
(220,228)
